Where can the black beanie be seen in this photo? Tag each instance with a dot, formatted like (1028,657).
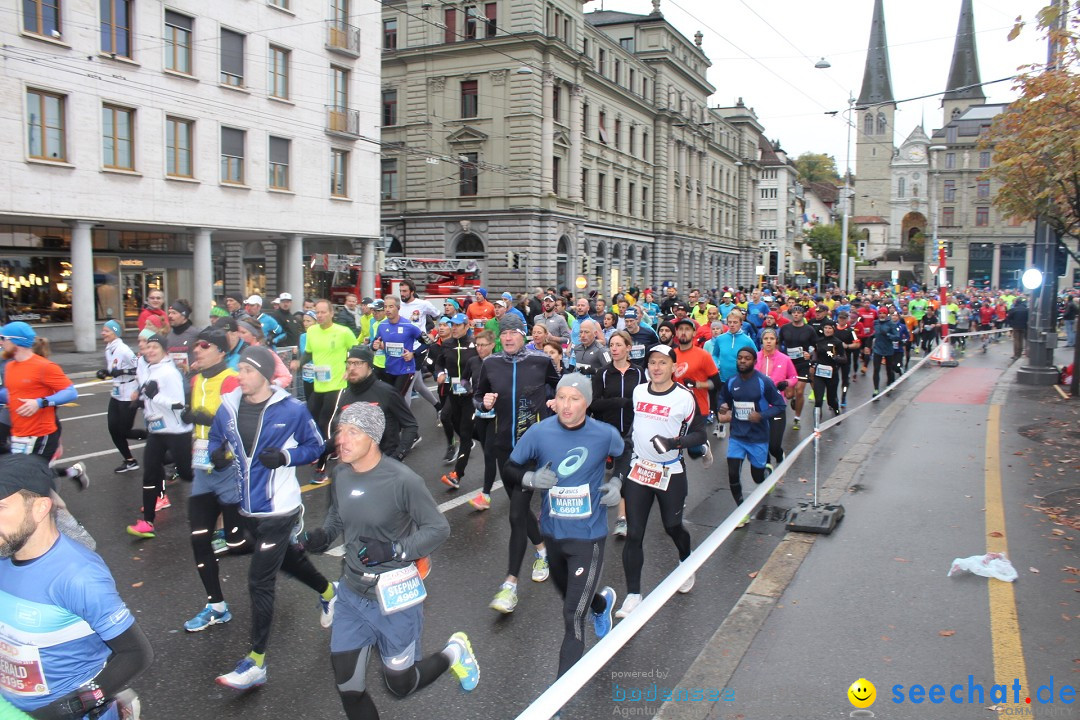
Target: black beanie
(260,358)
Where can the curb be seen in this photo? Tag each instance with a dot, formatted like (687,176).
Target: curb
(722,654)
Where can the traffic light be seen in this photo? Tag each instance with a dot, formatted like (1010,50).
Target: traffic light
(516,264)
(774,262)
(585,265)
(512,260)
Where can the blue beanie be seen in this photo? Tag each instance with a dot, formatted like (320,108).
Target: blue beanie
(482,291)
(19,333)
(115,327)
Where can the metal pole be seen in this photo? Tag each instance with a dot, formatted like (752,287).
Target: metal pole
(817,440)
(844,204)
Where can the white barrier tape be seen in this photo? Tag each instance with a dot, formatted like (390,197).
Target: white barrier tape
(560,692)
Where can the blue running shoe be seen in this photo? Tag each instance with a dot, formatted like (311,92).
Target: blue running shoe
(602,619)
(246,675)
(466,669)
(207,617)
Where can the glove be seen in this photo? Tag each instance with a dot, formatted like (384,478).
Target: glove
(137,434)
(542,479)
(102,374)
(221,458)
(187,417)
(663,444)
(689,383)
(273,458)
(178,406)
(202,416)
(612,491)
(78,702)
(782,385)
(316,541)
(150,389)
(119,372)
(374,552)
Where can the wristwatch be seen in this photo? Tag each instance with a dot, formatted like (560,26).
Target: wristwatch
(43,402)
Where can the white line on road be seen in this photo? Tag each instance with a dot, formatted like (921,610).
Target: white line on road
(74,458)
(80,417)
(92,382)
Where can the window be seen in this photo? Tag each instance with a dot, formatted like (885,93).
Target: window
(339,173)
(491,17)
(618,72)
(556,104)
(450,25)
(868,124)
(116,27)
(42,17)
(633,137)
(45,125)
(601,62)
(279,73)
(178,31)
(232,58)
(645,202)
(950,134)
(982,216)
(983,189)
(618,134)
(984,159)
(616,197)
(388,179)
(389,107)
(469,98)
(645,88)
(389,34)
(178,147)
(901,187)
(644,144)
(339,82)
(627,44)
(585,119)
(632,81)
(283,4)
(602,127)
(950,191)
(470,23)
(881,123)
(469,175)
(232,156)
(117,137)
(556,173)
(1015,221)
(768,193)
(630,199)
(279,163)
(585,187)
(601,181)
(948,216)
(950,161)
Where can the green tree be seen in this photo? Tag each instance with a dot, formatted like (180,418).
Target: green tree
(817,167)
(824,240)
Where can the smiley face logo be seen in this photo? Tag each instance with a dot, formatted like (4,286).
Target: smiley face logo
(862,693)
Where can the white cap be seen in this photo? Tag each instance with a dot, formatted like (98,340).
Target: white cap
(284,296)
(253,300)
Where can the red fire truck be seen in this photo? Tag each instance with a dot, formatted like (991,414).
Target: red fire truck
(435,278)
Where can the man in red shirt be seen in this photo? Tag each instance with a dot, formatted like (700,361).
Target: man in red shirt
(864,332)
(695,368)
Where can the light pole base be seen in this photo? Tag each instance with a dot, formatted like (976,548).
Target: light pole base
(1037,376)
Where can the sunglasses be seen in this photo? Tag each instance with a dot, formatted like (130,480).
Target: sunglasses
(203,345)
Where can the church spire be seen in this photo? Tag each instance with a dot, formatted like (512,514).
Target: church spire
(964,73)
(877,80)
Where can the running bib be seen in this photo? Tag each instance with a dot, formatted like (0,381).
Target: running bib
(200,455)
(478,324)
(20,670)
(637,352)
(181,361)
(457,387)
(795,353)
(570,503)
(743,409)
(155,423)
(650,474)
(322,372)
(395,349)
(896,345)
(115,392)
(22,446)
(307,373)
(823,371)
(400,589)
(485,414)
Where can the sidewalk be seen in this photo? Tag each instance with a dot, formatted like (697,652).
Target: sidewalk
(872,600)
(78,366)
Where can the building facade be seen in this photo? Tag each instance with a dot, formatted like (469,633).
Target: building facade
(179,147)
(780,210)
(554,145)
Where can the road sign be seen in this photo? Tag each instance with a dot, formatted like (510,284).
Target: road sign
(581,282)
(895,275)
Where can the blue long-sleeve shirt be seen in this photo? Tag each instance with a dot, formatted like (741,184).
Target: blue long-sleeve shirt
(755,392)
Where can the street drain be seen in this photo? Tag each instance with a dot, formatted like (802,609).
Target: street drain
(1068,499)
(771,513)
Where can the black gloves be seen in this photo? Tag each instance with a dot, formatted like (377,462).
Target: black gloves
(782,385)
(137,434)
(202,416)
(221,457)
(316,541)
(374,552)
(187,417)
(663,444)
(102,374)
(273,458)
(178,406)
(150,389)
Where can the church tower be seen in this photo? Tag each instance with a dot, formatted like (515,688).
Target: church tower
(963,89)
(873,118)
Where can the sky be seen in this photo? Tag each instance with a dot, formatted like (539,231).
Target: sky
(765,53)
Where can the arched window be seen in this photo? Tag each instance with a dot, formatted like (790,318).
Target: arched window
(395,249)
(901,187)
(881,123)
(600,267)
(469,246)
(562,263)
(914,191)
(645,274)
(868,124)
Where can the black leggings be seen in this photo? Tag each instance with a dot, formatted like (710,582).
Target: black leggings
(178,447)
(734,470)
(350,667)
(575,568)
(777,425)
(121,420)
(460,411)
(523,522)
(484,430)
(823,386)
(639,501)
(203,511)
(274,551)
(401,383)
(322,405)
(890,369)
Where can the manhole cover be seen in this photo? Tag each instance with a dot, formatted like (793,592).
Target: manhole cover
(1067,499)
(771,513)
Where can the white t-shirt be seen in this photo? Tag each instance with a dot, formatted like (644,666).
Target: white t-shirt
(416,310)
(667,415)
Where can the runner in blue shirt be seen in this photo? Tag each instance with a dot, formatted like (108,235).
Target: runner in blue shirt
(399,339)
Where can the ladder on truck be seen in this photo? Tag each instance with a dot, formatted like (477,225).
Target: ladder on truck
(343,263)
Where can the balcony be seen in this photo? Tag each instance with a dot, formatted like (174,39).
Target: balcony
(343,38)
(342,121)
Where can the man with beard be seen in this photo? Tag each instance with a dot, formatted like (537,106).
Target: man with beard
(666,333)
(288,322)
(402,430)
(180,342)
(798,339)
(643,337)
(554,322)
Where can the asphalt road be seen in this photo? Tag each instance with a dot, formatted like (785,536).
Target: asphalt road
(517,653)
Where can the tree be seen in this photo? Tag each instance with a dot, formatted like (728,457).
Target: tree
(824,240)
(817,167)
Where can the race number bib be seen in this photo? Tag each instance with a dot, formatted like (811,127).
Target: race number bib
(650,474)
(743,409)
(400,589)
(570,503)
(180,360)
(20,670)
(22,445)
(637,352)
(824,371)
(478,324)
(307,373)
(155,423)
(115,392)
(795,353)
(322,373)
(395,349)
(457,387)
(200,455)
(485,414)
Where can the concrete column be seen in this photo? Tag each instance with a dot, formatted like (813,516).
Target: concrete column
(995,268)
(82,286)
(575,142)
(202,276)
(294,269)
(547,135)
(367,267)
(1029,256)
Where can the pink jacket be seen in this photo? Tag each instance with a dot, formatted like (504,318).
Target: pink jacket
(282,376)
(777,367)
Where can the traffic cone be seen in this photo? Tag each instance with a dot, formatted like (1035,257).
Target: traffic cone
(942,355)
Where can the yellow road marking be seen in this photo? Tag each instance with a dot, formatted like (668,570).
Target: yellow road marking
(309,486)
(1061,392)
(1004,624)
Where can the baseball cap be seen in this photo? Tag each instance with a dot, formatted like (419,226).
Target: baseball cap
(630,314)
(444,320)
(548,298)
(501,303)
(253,300)
(284,296)
(25,472)
(685,321)
(459,319)
(727,294)
(663,350)
(378,305)
(227,323)
(366,301)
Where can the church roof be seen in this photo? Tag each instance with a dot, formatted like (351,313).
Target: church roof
(869,220)
(964,81)
(918,135)
(877,79)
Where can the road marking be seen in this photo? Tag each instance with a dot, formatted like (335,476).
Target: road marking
(1004,625)
(81,417)
(73,458)
(1061,392)
(92,383)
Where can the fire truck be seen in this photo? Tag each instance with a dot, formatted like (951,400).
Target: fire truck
(435,278)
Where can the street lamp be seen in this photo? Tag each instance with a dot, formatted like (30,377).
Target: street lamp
(934,210)
(824,64)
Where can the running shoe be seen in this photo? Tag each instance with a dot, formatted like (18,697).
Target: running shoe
(620,528)
(127,466)
(208,616)
(319,478)
(218,544)
(743,523)
(246,675)
(461,450)
(77,472)
(466,669)
(540,568)
(687,586)
(629,604)
(505,600)
(874,394)
(795,424)
(142,529)
(416,441)
(707,459)
(174,477)
(451,480)
(602,619)
(327,607)
(162,503)
(482,501)
(451,454)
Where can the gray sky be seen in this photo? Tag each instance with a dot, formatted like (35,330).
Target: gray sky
(768,57)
